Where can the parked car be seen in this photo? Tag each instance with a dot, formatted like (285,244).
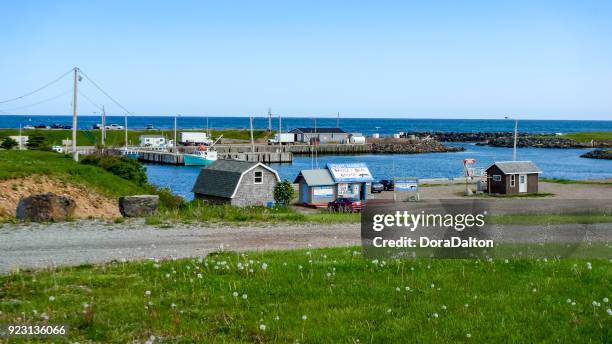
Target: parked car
(66,127)
(58,149)
(42,126)
(388,184)
(377,187)
(344,205)
(114,127)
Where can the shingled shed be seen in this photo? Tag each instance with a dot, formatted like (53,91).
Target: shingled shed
(513,177)
(239,183)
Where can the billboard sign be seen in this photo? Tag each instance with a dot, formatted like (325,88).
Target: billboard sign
(345,173)
(407,185)
(323,192)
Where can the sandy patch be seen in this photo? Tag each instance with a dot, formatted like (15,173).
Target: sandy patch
(88,204)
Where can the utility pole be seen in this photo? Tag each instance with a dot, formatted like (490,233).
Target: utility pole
(251,129)
(103,127)
(75,155)
(280,130)
(338,121)
(269,120)
(174,143)
(515,138)
(126,132)
(20,137)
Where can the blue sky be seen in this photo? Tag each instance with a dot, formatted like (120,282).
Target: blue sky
(438,59)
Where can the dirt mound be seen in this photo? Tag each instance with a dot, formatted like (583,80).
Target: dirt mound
(88,204)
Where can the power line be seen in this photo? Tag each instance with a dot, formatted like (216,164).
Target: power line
(90,101)
(38,102)
(38,89)
(106,94)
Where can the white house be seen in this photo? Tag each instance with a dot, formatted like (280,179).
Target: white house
(152,141)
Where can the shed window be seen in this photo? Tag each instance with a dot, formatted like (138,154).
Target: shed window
(512,180)
(496,178)
(258,177)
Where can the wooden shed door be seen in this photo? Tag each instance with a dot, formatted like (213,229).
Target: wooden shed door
(522,183)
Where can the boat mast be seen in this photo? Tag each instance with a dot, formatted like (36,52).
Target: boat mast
(515,138)
(251,129)
(126,132)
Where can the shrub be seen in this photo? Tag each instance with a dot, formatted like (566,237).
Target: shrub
(8,143)
(283,193)
(37,141)
(121,166)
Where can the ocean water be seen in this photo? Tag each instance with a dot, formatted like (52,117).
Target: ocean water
(555,163)
(367,126)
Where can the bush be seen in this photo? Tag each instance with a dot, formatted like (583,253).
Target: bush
(8,143)
(283,193)
(37,141)
(121,166)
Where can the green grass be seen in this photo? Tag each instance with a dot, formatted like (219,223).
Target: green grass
(117,137)
(588,136)
(342,297)
(571,181)
(201,212)
(18,164)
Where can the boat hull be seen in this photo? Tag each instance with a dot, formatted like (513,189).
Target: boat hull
(194,160)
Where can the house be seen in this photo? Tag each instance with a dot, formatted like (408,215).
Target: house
(320,135)
(152,141)
(317,187)
(239,183)
(513,177)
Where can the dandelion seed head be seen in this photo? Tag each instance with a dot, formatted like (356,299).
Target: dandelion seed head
(262,327)
(304,317)
(51,298)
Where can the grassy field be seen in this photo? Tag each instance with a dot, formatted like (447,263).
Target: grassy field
(571,181)
(117,137)
(318,296)
(15,164)
(201,212)
(588,136)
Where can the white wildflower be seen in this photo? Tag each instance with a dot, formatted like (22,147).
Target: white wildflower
(262,327)
(304,317)
(264,266)
(148,293)
(244,296)
(435,315)
(235,294)
(51,298)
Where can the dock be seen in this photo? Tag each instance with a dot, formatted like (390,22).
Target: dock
(159,157)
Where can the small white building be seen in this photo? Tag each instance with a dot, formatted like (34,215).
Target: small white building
(152,141)
(194,138)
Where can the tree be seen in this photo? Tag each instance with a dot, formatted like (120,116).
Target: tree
(37,141)
(8,143)
(283,193)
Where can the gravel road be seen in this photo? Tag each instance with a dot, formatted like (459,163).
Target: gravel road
(89,241)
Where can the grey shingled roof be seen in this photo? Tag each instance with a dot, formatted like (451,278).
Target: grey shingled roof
(514,167)
(320,130)
(316,177)
(221,177)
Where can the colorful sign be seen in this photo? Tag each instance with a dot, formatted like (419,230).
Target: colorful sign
(323,192)
(356,172)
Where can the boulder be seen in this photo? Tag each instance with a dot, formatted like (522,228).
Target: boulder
(140,205)
(45,207)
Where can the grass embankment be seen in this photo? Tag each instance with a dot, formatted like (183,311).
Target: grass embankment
(19,164)
(318,296)
(196,211)
(588,136)
(117,137)
(548,219)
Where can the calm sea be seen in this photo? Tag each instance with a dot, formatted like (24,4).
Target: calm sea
(367,126)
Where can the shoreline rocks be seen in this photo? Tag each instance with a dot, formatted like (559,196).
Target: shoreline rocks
(45,207)
(415,146)
(506,139)
(598,154)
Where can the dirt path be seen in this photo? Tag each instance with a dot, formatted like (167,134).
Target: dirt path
(74,243)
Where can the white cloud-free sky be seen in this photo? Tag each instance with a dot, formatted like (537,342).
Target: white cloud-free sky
(438,59)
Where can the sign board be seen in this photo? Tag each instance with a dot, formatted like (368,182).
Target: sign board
(355,172)
(407,185)
(344,190)
(323,192)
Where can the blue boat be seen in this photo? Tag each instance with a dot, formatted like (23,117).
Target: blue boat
(201,157)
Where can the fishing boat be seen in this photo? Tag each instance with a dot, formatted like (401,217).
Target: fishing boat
(202,156)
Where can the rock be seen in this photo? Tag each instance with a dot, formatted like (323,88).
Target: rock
(598,154)
(45,207)
(140,205)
